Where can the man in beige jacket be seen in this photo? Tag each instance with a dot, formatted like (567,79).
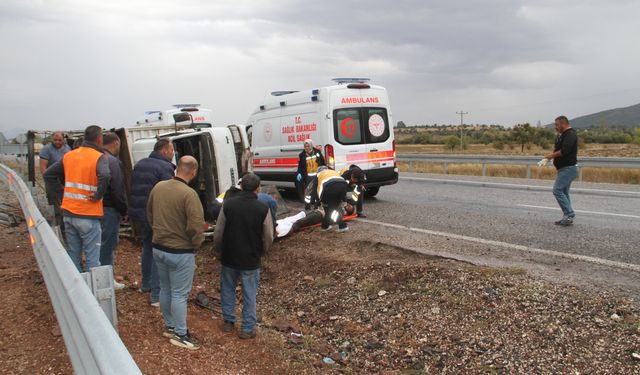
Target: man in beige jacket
(176,216)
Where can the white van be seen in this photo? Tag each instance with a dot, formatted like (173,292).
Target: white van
(218,150)
(350,120)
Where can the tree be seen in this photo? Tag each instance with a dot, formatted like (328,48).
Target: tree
(400,125)
(523,134)
(451,142)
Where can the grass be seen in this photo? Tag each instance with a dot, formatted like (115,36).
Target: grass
(590,149)
(589,174)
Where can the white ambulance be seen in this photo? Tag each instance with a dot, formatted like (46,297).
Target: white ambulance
(350,121)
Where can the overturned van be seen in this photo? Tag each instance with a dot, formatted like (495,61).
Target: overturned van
(350,120)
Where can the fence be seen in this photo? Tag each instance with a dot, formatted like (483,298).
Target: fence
(93,345)
(529,161)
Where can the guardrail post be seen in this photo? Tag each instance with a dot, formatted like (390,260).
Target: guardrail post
(100,281)
(528,170)
(446,170)
(579,173)
(484,169)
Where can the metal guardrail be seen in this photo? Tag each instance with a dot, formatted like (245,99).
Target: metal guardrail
(92,342)
(13,149)
(529,161)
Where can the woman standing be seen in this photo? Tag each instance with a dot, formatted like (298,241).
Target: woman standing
(309,160)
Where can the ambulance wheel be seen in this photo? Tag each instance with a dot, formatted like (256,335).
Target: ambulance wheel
(371,191)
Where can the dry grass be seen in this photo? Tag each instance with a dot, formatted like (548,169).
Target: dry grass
(589,174)
(615,150)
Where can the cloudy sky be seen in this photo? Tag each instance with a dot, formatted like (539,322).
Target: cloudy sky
(69,63)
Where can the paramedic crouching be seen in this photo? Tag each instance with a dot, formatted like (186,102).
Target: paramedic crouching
(330,189)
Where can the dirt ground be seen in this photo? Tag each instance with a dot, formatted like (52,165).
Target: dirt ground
(352,300)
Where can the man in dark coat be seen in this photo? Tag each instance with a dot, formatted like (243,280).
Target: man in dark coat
(146,174)
(244,233)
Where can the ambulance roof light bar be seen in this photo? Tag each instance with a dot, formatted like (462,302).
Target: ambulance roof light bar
(280,93)
(186,105)
(341,81)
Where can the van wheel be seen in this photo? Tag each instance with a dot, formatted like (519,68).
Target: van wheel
(371,191)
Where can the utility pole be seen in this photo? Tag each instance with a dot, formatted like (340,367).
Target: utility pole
(461,113)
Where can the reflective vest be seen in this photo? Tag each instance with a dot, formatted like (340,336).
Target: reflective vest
(312,163)
(326,176)
(81,182)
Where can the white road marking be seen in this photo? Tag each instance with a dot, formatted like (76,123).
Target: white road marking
(518,186)
(582,211)
(584,258)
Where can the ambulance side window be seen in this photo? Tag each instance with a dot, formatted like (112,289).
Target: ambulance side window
(376,125)
(347,126)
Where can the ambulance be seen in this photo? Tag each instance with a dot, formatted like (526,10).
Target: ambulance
(350,121)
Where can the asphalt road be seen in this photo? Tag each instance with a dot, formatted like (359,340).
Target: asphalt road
(607,225)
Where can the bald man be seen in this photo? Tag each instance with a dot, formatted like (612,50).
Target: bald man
(53,152)
(176,217)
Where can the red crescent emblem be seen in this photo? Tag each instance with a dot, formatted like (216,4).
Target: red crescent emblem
(348,127)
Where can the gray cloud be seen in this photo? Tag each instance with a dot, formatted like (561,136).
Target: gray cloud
(66,63)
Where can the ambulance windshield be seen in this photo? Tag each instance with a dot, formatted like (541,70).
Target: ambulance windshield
(354,126)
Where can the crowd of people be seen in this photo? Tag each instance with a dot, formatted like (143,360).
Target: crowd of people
(86,187)
(85,184)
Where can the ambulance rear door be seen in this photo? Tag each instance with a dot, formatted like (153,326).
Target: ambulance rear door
(362,133)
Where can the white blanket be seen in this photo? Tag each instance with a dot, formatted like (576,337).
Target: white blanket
(284,225)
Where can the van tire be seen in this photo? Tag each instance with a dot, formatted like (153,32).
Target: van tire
(371,191)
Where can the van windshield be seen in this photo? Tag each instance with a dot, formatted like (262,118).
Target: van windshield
(354,126)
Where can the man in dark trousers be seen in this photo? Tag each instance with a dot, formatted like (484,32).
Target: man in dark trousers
(330,189)
(175,213)
(85,173)
(244,233)
(114,201)
(565,159)
(146,174)
(356,178)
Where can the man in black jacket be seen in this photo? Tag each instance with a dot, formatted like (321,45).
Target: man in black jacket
(146,174)
(565,159)
(114,201)
(356,179)
(244,233)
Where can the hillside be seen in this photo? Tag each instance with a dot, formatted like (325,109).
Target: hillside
(627,117)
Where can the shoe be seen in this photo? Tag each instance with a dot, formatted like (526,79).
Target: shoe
(228,326)
(169,332)
(247,334)
(187,341)
(565,221)
(326,229)
(155,304)
(361,214)
(342,230)
(118,286)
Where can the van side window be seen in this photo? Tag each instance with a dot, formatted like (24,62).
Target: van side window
(354,126)
(347,127)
